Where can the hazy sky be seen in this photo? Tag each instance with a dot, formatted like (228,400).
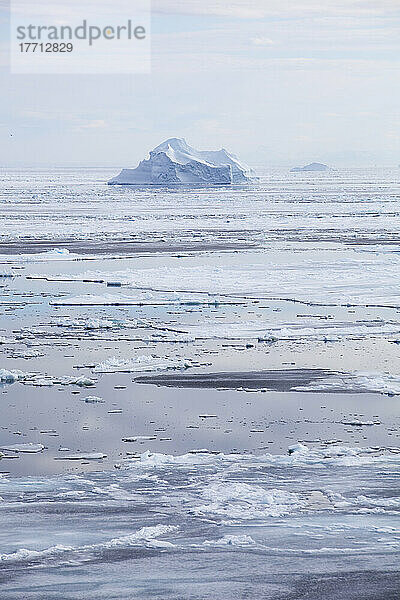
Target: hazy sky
(275,81)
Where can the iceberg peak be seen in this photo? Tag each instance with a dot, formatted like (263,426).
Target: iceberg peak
(174,143)
(175,162)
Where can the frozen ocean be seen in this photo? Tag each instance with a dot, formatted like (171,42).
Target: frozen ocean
(200,387)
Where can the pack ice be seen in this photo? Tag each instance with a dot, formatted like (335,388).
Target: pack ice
(175,162)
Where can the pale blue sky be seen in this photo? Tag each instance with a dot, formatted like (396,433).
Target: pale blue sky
(275,81)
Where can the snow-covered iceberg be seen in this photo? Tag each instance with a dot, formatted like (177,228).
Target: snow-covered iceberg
(175,162)
(311,167)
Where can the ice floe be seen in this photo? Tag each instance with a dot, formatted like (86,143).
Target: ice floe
(56,254)
(146,536)
(382,383)
(6,340)
(40,380)
(269,331)
(139,438)
(7,376)
(339,282)
(282,380)
(95,323)
(140,364)
(26,354)
(358,423)
(29,448)
(83,456)
(93,400)
(244,501)
(298,455)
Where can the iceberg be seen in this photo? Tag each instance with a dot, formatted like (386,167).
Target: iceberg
(311,167)
(175,162)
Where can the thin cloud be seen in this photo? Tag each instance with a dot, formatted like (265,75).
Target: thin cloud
(278,8)
(263,41)
(94,124)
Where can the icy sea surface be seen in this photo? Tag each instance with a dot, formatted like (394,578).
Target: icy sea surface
(200,388)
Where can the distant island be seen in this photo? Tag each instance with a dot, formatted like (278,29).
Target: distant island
(311,167)
(175,162)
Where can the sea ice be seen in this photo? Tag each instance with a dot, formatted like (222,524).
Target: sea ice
(95,323)
(28,448)
(12,376)
(93,400)
(382,383)
(56,254)
(137,438)
(358,423)
(146,536)
(81,381)
(38,380)
(27,354)
(244,501)
(140,364)
(344,281)
(271,332)
(83,456)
